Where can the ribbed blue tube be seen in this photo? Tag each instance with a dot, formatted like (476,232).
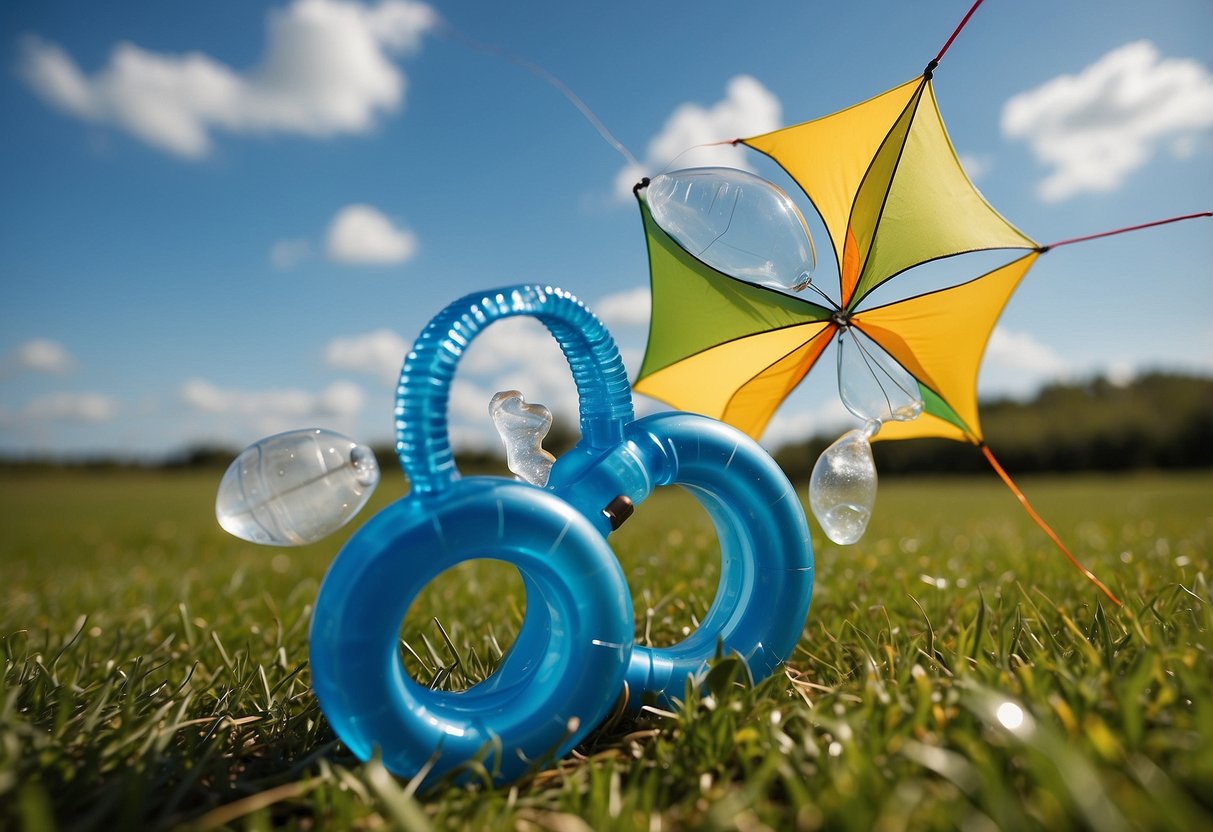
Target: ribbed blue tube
(422,441)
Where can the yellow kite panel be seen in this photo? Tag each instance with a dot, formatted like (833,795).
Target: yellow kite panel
(868,211)
(932,209)
(940,337)
(756,402)
(828,157)
(926,426)
(705,382)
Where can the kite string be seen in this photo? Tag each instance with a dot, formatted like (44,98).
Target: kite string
(935,62)
(495,51)
(1023,500)
(1127,228)
(541,73)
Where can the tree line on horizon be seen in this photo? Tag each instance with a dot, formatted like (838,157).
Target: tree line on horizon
(1159,420)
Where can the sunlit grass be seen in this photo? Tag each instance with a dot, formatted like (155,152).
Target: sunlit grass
(955,670)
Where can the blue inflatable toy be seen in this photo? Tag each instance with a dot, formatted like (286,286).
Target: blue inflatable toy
(574,655)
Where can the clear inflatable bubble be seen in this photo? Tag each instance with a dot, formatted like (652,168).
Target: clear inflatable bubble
(522,427)
(295,488)
(842,489)
(736,222)
(872,384)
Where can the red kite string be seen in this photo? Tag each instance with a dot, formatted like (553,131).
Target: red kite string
(1125,229)
(947,45)
(998,469)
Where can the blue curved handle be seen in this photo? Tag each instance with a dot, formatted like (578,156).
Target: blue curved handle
(422,440)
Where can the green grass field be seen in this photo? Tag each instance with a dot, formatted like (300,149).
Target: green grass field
(955,671)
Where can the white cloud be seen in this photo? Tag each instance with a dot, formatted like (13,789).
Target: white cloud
(629,308)
(1187,146)
(976,166)
(1121,373)
(379,353)
(341,398)
(508,343)
(516,354)
(287,254)
(1097,127)
(513,354)
(361,234)
(1022,352)
(233,415)
(633,357)
(748,108)
(327,69)
(795,424)
(93,408)
(41,355)
(469,402)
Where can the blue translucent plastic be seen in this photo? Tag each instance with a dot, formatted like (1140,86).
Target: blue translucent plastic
(574,652)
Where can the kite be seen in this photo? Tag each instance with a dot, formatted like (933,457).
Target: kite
(892,194)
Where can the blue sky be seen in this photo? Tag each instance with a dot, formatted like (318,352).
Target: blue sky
(227,219)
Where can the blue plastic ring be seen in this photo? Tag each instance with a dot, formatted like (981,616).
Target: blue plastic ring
(766,571)
(566,666)
(556,683)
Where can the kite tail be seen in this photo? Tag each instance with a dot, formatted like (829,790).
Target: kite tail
(1043,525)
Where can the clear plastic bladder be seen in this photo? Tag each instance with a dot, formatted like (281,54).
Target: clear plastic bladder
(295,488)
(842,488)
(872,384)
(736,222)
(522,427)
(877,389)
